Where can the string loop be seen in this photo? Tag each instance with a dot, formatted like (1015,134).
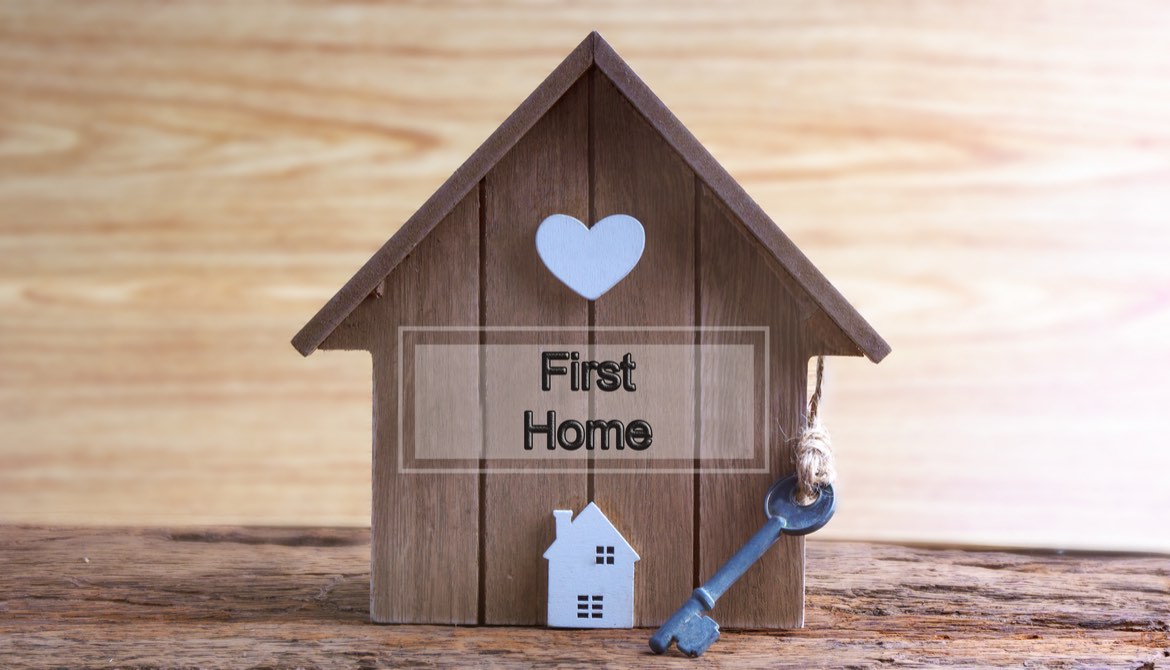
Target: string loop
(815,464)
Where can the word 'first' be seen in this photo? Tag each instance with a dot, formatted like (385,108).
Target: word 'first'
(610,375)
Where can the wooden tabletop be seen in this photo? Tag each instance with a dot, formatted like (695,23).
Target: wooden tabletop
(277,598)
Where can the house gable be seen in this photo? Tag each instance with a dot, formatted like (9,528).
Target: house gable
(595,53)
(590,528)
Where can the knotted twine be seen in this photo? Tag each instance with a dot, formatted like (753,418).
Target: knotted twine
(815,466)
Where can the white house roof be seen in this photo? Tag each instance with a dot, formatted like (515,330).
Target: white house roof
(590,526)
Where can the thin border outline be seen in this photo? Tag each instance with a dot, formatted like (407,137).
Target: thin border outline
(766,330)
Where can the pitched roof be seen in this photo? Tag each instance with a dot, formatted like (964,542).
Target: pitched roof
(592,52)
(592,518)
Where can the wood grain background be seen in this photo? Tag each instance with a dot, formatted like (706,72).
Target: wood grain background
(182,185)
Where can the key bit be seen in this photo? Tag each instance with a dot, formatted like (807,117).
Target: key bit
(693,631)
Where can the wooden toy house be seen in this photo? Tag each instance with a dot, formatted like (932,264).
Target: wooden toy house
(592,140)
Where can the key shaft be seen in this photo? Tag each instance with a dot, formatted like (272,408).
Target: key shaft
(746,557)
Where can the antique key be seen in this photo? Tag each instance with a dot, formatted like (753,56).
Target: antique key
(689,627)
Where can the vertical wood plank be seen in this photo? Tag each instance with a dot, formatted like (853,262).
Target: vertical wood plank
(738,288)
(636,173)
(545,173)
(425,527)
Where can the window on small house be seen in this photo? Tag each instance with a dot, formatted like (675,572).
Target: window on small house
(604,555)
(590,607)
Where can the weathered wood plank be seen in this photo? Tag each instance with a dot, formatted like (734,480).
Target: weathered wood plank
(282,598)
(636,173)
(425,566)
(545,173)
(737,288)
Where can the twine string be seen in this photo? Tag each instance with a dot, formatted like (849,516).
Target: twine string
(815,464)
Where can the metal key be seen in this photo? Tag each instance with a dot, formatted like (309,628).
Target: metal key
(689,627)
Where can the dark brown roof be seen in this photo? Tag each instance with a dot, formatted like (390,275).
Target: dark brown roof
(593,51)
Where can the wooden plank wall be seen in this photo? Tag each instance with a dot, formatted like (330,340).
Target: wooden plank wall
(444,554)
(636,173)
(425,540)
(546,172)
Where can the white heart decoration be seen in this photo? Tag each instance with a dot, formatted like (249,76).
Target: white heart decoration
(588,260)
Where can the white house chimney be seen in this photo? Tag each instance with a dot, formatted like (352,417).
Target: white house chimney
(564,517)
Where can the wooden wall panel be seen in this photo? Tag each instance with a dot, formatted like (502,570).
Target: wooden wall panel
(738,288)
(424,543)
(547,172)
(636,173)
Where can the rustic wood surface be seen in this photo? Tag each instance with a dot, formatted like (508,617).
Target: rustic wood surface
(182,184)
(249,597)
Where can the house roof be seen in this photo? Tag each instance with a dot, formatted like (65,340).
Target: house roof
(592,519)
(592,52)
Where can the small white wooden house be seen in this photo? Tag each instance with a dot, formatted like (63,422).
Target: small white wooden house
(590,572)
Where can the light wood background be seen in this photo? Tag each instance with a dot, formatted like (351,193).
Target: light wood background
(182,185)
